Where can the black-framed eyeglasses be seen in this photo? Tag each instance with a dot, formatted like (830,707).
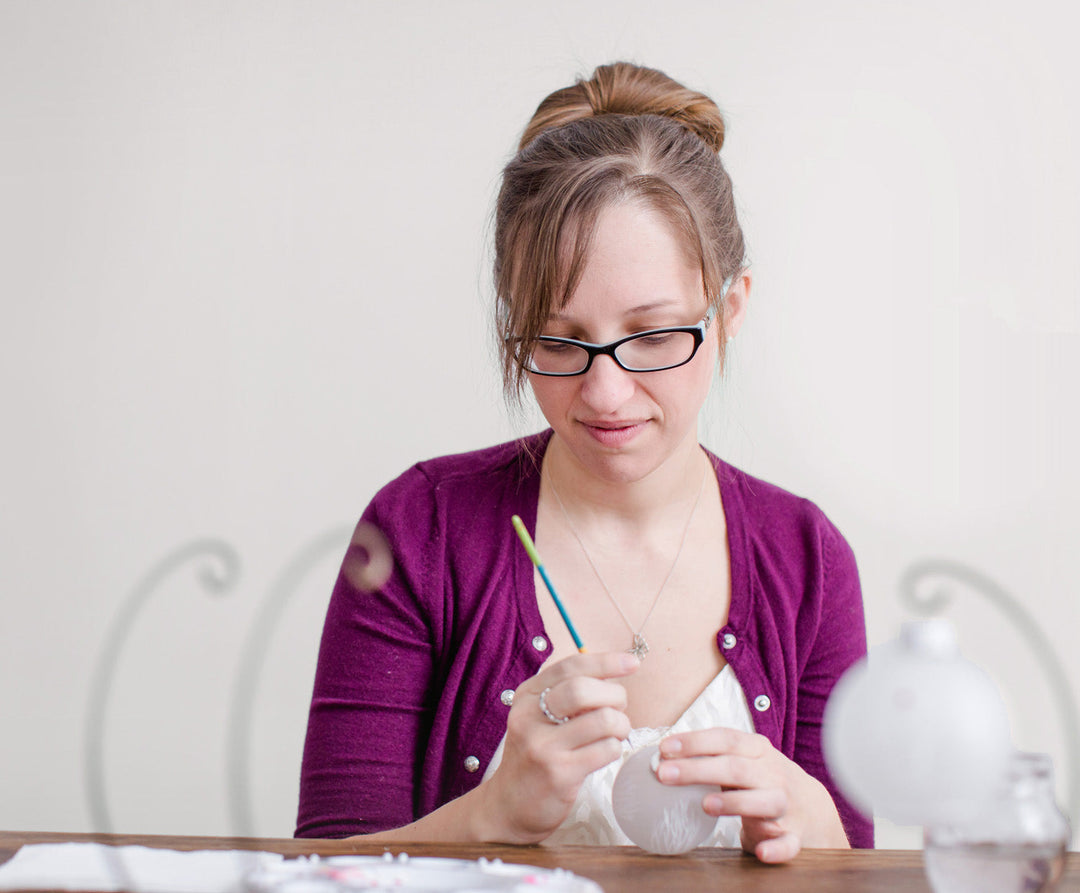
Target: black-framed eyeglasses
(650,351)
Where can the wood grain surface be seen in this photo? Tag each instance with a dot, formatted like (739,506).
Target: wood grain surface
(616,869)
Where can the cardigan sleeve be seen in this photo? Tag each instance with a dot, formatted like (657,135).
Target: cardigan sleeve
(838,642)
(371,707)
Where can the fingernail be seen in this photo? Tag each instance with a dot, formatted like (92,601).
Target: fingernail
(713,803)
(671,747)
(629,662)
(667,772)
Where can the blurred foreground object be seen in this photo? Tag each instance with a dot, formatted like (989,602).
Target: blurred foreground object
(368,562)
(917,733)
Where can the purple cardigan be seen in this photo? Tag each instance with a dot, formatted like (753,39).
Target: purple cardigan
(413,680)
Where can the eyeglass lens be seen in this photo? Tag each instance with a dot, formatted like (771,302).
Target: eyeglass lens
(649,352)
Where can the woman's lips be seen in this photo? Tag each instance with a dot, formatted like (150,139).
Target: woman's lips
(613,434)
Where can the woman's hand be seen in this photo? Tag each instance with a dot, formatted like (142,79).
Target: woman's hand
(544,763)
(783,808)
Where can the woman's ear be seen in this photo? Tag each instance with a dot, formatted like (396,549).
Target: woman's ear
(734,307)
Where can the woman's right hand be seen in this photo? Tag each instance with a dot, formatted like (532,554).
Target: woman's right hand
(544,763)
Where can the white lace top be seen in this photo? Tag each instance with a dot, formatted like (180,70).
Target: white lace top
(592,821)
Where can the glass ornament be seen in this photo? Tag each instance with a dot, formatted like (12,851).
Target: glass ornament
(1016,845)
(659,818)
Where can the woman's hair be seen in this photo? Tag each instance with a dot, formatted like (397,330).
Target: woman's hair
(627,134)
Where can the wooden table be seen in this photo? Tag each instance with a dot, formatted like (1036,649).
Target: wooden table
(616,869)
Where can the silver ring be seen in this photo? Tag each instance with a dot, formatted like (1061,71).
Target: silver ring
(558,720)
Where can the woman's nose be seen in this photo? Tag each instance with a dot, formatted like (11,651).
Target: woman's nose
(606,386)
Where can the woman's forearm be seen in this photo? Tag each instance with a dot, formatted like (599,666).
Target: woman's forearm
(465,819)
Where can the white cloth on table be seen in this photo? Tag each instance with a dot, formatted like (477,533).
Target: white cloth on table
(96,866)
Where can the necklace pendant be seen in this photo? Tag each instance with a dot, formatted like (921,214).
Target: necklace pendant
(640,647)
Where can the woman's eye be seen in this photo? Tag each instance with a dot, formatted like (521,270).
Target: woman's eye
(656,340)
(553,347)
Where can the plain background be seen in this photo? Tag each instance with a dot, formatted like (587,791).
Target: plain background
(244,281)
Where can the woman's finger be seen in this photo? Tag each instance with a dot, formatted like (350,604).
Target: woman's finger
(595,755)
(763,803)
(579,694)
(603,665)
(594,725)
(717,740)
(725,771)
(778,849)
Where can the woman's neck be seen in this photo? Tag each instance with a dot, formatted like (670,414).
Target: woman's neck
(658,498)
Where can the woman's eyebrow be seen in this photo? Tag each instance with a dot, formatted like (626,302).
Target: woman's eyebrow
(662,304)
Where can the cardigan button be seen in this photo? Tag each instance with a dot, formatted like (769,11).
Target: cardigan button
(539,643)
(729,641)
(507,697)
(471,764)
(762,703)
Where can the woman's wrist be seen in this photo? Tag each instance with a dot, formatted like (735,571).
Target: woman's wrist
(489,821)
(827,828)
(466,819)
(483,822)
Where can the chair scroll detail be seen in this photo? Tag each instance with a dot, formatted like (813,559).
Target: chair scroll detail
(218,570)
(252,659)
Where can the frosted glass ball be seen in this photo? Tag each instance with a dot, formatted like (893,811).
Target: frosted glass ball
(917,734)
(658,817)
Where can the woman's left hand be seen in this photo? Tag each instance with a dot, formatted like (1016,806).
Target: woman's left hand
(783,808)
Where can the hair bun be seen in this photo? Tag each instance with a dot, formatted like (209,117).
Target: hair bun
(623,88)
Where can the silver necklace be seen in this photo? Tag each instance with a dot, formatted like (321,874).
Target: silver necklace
(639,647)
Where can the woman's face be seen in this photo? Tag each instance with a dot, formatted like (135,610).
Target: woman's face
(621,426)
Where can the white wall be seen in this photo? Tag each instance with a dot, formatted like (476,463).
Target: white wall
(243,283)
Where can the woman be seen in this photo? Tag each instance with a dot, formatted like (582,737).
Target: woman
(450,702)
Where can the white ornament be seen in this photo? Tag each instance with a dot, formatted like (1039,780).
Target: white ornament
(917,734)
(658,817)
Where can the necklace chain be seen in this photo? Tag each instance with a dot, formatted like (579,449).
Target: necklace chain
(639,647)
